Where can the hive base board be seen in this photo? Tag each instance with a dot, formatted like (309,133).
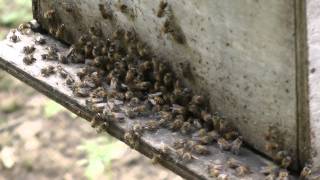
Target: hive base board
(11,60)
(231,53)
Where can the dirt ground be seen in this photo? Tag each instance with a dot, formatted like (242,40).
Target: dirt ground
(41,140)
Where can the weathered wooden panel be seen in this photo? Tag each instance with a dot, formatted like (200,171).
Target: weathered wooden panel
(241,53)
(150,144)
(313,56)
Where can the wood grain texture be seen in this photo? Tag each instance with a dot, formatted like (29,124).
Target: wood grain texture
(149,143)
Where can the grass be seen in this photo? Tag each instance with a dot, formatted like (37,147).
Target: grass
(99,155)
(52,108)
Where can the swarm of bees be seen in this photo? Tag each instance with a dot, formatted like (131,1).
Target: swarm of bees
(122,69)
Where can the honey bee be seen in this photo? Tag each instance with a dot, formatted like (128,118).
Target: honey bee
(122,7)
(137,129)
(197,124)
(24,28)
(194,109)
(52,30)
(270,177)
(283,175)
(28,49)
(231,135)
(60,31)
(97,51)
(106,11)
(223,177)
(40,40)
(168,80)
(187,156)
(29,59)
(145,66)
(130,36)
(125,9)
(152,125)
(52,51)
(190,144)
(143,86)
(215,170)
(88,49)
(82,73)
(63,73)
(233,163)
(270,169)
(166,28)
(306,172)
(271,147)
(131,138)
(197,99)
(171,27)
(186,128)
(96,120)
(97,107)
(130,76)
(235,145)
(271,133)
(155,158)
(280,155)
(205,139)
(95,31)
(201,132)
(50,15)
(47,71)
(176,124)
(130,113)
(13,37)
(178,35)
(142,49)
(242,170)
(99,61)
(161,8)
(63,59)
(179,143)
(206,116)
(158,100)
(200,149)
(165,149)
(69,81)
(184,155)
(224,126)
(286,162)
(224,144)
(214,135)
(81,92)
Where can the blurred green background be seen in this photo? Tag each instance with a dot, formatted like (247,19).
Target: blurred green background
(12,13)
(94,153)
(39,139)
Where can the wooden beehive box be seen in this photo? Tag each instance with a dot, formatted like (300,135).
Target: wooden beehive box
(256,60)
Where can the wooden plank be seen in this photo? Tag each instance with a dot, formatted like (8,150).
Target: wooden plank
(312,67)
(234,54)
(150,144)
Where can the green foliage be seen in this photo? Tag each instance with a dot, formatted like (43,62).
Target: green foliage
(99,153)
(52,108)
(14,12)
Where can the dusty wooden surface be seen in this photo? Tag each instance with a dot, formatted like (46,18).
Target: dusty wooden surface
(240,53)
(313,55)
(150,143)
